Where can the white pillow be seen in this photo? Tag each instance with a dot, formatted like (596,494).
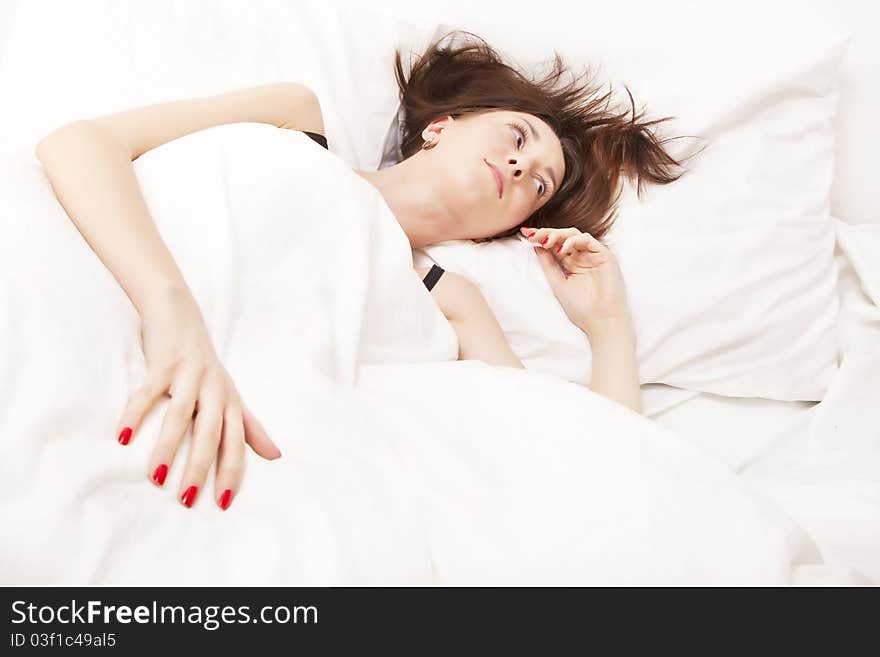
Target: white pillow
(730,270)
(68,61)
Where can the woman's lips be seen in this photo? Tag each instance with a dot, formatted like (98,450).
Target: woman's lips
(498,179)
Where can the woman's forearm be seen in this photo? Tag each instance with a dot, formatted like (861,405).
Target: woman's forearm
(615,367)
(93,179)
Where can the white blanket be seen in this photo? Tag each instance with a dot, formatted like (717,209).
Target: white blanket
(400,464)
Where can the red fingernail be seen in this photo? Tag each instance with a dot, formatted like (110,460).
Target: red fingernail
(545,240)
(124,436)
(225,499)
(530,234)
(160,473)
(559,249)
(189,496)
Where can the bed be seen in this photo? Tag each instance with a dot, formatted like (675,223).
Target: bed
(707,488)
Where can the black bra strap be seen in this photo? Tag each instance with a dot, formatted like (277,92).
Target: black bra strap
(321,139)
(431,278)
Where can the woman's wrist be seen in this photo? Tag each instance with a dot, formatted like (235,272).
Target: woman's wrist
(170,299)
(615,363)
(616,329)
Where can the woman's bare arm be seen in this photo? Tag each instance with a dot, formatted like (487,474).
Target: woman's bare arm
(479,334)
(89,165)
(615,372)
(283,104)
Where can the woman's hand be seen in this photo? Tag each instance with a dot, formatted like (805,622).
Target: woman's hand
(182,364)
(584,275)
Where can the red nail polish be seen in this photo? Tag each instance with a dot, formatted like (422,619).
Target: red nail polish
(530,234)
(189,496)
(545,240)
(225,499)
(559,249)
(124,436)
(160,473)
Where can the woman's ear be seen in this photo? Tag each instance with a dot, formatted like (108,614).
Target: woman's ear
(434,128)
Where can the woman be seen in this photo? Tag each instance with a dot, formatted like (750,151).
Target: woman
(487,153)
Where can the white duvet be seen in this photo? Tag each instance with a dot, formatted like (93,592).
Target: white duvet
(400,464)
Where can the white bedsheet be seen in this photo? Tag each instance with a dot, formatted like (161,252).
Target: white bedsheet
(428,470)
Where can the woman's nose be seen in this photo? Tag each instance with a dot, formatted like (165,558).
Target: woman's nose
(516,169)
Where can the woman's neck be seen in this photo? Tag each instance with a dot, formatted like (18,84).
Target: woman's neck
(418,205)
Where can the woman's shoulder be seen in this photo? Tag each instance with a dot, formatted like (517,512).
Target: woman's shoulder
(456,295)
(451,279)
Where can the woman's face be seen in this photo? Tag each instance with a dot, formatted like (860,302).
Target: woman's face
(468,152)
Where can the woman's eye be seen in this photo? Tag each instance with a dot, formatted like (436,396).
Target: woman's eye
(541,189)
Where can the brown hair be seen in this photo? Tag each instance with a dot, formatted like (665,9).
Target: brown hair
(597,145)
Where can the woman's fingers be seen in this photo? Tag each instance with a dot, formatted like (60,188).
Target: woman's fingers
(569,245)
(205,440)
(230,457)
(573,244)
(256,436)
(175,423)
(222,427)
(140,403)
(176,340)
(549,238)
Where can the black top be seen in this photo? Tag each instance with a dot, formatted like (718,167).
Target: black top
(431,278)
